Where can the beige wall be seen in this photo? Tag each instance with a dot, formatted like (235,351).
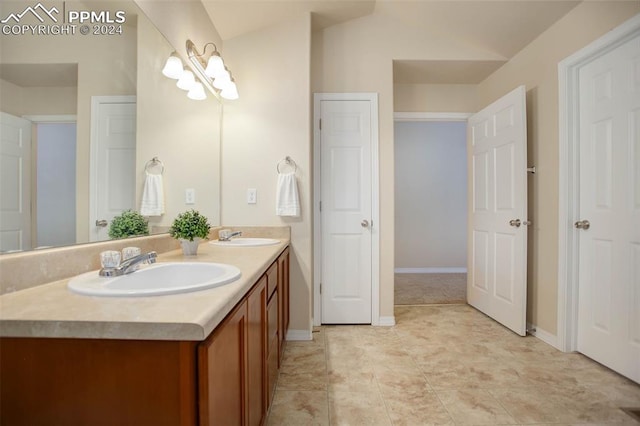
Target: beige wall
(435,97)
(536,66)
(272,119)
(184,134)
(21,101)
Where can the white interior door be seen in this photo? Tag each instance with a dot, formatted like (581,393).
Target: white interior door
(609,271)
(113,154)
(497,270)
(346,195)
(15,183)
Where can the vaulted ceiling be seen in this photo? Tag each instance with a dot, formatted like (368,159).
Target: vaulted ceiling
(502,27)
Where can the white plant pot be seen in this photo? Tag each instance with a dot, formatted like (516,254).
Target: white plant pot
(190,248)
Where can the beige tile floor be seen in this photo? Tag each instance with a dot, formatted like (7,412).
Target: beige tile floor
(443,365)
(426,289)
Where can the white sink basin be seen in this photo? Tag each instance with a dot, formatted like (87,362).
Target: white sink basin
(246,242)
(157,279)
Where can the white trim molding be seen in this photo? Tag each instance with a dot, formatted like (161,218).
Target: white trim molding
(299,335)
(543,335)
(387,321)
(569,178)
(445,270)
(69,118)
(375,202)
(431,116)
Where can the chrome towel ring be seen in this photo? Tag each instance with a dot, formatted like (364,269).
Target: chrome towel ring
(287,161)
(151,164)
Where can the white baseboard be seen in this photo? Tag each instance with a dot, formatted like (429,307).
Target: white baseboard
(299,335)
(446,270)
(387,321)
(543,335)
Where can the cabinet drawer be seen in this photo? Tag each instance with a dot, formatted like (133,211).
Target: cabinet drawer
(272,279)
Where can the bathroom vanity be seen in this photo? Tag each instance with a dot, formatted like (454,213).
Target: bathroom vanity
(201,358)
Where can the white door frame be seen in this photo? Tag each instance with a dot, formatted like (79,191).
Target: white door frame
(375,202)
(569,178)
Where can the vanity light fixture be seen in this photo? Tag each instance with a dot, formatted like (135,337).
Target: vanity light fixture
(173,67)
(186,81)
(212,71)
(197,92)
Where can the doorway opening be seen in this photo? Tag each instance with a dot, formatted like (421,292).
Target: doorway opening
(431,210)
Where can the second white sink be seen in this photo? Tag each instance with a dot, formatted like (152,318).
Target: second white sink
(246,242)
(157,279)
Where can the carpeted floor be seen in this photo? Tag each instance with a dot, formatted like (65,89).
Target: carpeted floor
(427,289)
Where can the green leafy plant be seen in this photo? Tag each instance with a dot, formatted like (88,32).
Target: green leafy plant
(128,224)
(189,225)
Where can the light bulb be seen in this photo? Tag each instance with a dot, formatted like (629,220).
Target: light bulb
(197,92)
(173,67)
(186,81)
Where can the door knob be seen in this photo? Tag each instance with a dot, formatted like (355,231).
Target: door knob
(101,223)
(583,224)
(515,222)
(364,223)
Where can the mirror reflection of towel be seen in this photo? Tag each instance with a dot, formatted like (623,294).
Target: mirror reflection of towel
(287,202)
(152,196)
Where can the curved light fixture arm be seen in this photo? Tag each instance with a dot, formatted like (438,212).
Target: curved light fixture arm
(199,64)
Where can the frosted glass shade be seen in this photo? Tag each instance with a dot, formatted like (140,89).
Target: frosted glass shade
(230,91)
(186,81)
(197,92)
(215,66)
(173,67)
(222,80)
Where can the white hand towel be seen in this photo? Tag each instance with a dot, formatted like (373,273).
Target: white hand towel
(287,202)
(152,196)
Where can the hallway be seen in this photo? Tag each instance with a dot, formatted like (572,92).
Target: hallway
(443,365)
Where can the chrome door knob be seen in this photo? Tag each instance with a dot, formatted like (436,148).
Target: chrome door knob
(583,224)
(364,223)
(101,223)
(515,222)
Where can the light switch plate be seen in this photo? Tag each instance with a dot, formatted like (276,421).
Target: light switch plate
(252,196)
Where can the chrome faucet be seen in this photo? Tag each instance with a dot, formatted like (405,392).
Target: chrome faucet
(227,235)
(129,265)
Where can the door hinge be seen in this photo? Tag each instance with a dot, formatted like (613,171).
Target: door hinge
(320,124)
(320,288)
(320,205)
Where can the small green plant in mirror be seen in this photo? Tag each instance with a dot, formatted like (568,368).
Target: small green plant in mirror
(189,225)
(128,224)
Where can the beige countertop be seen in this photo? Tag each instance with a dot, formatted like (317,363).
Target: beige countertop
(52,310)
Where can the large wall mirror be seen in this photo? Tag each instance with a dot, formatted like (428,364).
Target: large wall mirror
(83,115)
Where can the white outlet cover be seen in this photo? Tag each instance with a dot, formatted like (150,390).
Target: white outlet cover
(190,196)
(252,196)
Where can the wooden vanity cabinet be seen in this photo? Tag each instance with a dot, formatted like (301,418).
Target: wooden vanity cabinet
(238,364)
(227,379)
(283,301)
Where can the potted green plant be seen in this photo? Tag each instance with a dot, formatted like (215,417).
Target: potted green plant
(190,228)
(129,223)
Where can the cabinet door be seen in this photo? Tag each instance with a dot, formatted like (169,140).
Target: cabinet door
(222,364)
(257,352)
(272,351)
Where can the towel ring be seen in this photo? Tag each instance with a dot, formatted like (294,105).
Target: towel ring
(154,162)
(288,161)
